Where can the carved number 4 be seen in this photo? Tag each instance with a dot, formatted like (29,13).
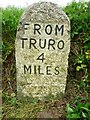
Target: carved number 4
(41,57)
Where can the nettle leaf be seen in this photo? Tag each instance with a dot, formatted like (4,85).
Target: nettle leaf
(83,114)
(80,61)
(82,84)
(83,66)
(78,68)
(75,115)
(86,109)
(87,39)
(69,109)
(87,46)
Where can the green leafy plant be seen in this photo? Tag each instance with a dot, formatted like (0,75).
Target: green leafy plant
(9,99)
(10,20)
(80,110)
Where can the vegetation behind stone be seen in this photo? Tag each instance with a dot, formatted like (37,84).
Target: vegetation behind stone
(76,100)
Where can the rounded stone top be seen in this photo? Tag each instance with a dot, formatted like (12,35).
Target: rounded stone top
(44,12)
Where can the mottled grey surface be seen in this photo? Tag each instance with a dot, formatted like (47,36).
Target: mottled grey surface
(40,85)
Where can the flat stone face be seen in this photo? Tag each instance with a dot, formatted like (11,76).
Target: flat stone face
(42,49)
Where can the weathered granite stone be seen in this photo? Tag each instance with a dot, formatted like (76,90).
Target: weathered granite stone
(42,49)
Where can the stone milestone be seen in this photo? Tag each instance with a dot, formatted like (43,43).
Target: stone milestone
(42,49)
